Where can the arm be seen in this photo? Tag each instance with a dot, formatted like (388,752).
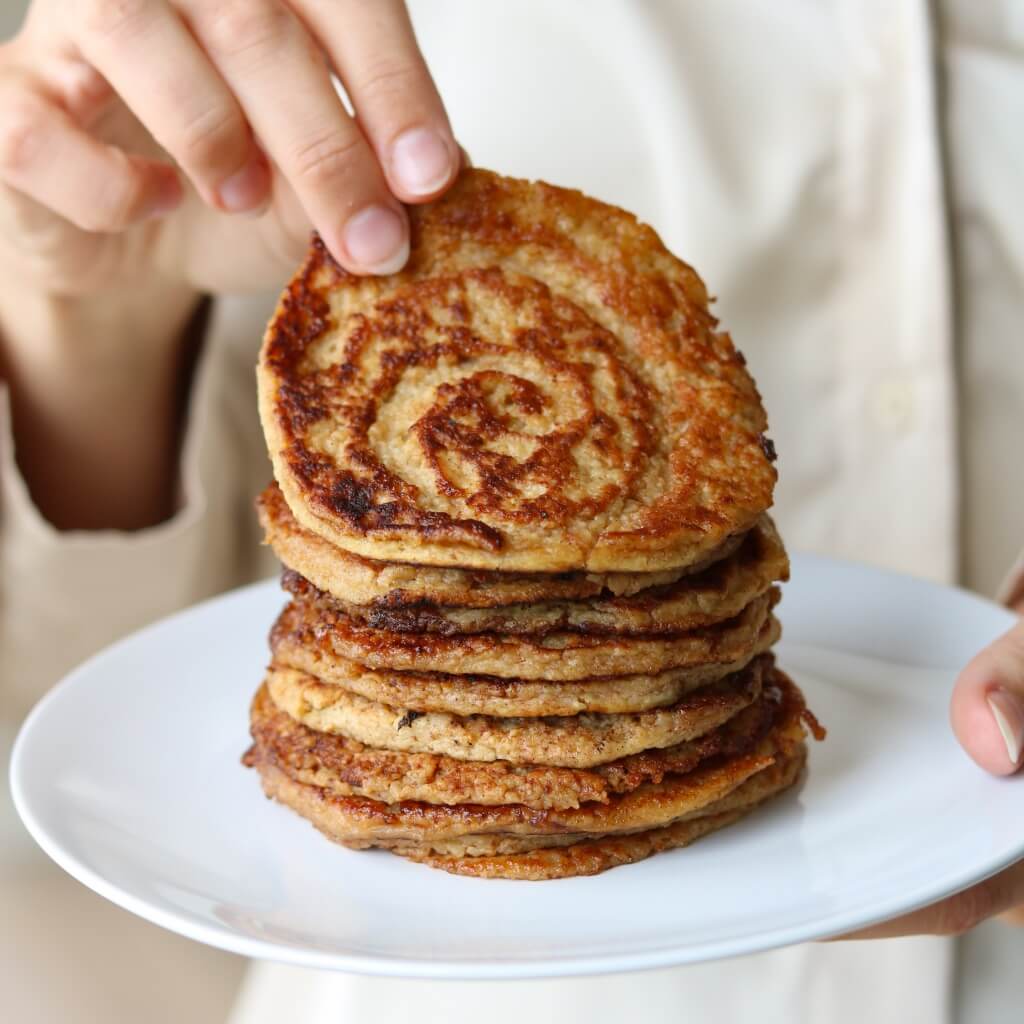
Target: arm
(97,425)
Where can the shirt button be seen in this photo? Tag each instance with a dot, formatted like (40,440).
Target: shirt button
(893,405)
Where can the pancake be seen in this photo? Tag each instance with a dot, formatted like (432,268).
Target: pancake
(363,822)
(315,622)
(719,592)
(507,698)
(363,581)
(344,767)
(597,854)
(572,860)
(782,773)
(542,388)
(576,741)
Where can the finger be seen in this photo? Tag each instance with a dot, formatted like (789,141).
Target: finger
(148,56)
(279,75)
(97,187)
(960,913)
(373,49)
(987,709)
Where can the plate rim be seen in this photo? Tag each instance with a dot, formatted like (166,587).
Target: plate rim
(383,965)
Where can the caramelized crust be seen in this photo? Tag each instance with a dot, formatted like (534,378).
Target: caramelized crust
(400,585)
(345,767)
(541,389)
(572,860)
(575,741)
(512,698)
(363,822)
(597,854)
(719,592)
(314,621)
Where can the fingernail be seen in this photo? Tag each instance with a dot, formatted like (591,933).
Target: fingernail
(421,161)
(376,240)
(1008,711)
(245,190)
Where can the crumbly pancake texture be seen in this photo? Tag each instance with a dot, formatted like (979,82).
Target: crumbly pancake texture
(593,856)
(432,827)
(345,767)
(590,857)
(542,388)
(315,621)
(783,720)
(717,593)
(399,585)
(783,772)
(363,823)
(575,741)
(509,698)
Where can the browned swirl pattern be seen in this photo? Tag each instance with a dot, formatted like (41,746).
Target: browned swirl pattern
(542,389)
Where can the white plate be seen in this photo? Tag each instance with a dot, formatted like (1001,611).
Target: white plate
(128,775)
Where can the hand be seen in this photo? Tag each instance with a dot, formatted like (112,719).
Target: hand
(987,714)
(102,102)
(155,150)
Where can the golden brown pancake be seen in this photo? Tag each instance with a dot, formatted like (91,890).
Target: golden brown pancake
(362,822)
(719,592)
(785,719)
(600,853)
(575,741)
(589,857)
(542,388)
(344,767)
(782,773)
(314,621)
(364,581)
(510,698)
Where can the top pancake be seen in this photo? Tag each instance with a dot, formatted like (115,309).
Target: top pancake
(542,389)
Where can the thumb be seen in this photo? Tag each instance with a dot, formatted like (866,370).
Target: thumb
(987,709)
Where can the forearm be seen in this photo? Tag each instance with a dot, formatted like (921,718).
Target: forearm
(94,387)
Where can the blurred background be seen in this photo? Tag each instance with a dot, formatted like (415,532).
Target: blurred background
(11,13)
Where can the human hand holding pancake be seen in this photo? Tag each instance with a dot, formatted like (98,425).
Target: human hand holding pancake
(107,109)
(987,715)
(104,103)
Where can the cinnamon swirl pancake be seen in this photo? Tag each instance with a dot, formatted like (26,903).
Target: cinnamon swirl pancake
(542,388)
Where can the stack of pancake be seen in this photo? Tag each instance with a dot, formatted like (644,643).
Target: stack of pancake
(521,493)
